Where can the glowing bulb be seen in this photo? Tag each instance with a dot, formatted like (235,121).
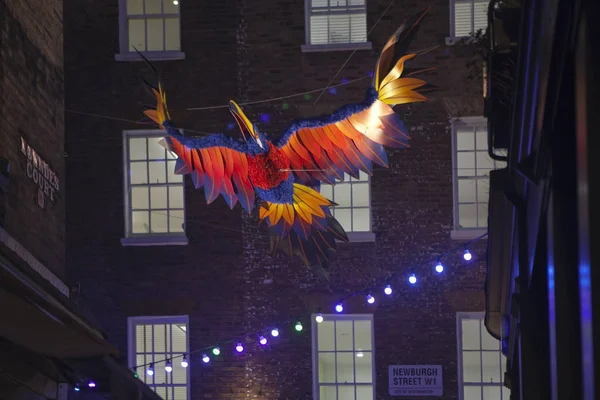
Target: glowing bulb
(298,326)
(150,370)
(239,348)
(467,256)
(184,362)
(168,366)
(92,384)
(175,2)
(370,299)
(412,279)
(439,268)
(339,307)
(216,351)
(205,358)
(387,290)
(319,318)
(76,388)
(275,332)
(360,354)
(262,340)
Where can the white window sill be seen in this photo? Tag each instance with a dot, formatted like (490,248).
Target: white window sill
(466,234)
(361,237)
(316,48)
(151,55)
(452,40)
(155,240)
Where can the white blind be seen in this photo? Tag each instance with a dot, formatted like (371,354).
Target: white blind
(337,21)
(469,16)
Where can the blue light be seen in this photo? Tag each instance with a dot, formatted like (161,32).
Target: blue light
(412,279)
(467,256)
(387,290)
(339,307)
(370,299)
(265,118)
(439,268)
(332,90)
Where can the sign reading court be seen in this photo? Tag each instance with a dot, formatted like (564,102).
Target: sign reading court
(40,172)
(415,380)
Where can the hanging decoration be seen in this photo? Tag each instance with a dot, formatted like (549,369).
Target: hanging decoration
(238,345)
(286,173)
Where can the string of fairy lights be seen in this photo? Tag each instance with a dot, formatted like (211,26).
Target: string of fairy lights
(272,332)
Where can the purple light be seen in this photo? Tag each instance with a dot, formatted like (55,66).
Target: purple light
(467,256)
(265,118)
(345,81)
(439,268)
(370,299)
(230,126)
(239,348)
(262,340)
(370,74)
(412,279)
(332,90)
(387,290)
(275,332)
(339,307)
(92,384)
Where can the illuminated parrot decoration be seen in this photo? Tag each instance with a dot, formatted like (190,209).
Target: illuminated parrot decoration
(285,173)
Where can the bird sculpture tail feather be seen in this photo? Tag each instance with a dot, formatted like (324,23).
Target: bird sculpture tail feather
(304,228)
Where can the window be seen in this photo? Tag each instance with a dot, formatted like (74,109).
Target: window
(353,211)
(481,364)
(336,25)
(343,358)
(154,340)
(471,176)
(154,194)
(150,26)
(468,16)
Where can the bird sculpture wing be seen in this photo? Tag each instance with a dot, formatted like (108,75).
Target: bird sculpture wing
(322,149)
(217,162)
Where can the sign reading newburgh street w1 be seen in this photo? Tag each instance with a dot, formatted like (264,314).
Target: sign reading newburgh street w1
(415,380)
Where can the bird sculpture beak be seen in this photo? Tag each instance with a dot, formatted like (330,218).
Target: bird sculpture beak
(243,122)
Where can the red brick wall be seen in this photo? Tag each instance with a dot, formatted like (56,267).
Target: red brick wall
(224,279)
(32,102)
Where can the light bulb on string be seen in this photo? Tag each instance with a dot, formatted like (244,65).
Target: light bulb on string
(184,361)
(76,387)
(274,332)
(467,255)
(175,2)
(387,290)
(370,299)
(339,307)
(412,279)
(439,268)
(150,370)
(298,326)
(168,366)
(92,384)
(205,358)
(239,348)
(262,340)
(135,374)
(216,351)
(319,318)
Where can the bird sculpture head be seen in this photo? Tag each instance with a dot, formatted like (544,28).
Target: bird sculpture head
(255,139)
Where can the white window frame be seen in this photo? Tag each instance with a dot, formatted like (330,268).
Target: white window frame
(359,237)
(460,316)
(149,239)
(132,322)
(310,48)
(452,39)
(315,347)
(460,233)
(126,55)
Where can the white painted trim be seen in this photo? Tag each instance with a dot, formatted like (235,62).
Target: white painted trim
(151,55)
(132,322)
(159,239)
(316,48)
(466,234)
(361,237)
(314,349)
(33,262)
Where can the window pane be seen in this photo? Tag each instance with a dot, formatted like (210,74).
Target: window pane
(505,393)
(176,221)
(345,367)
(159,368)
(358,28)
(139,198)
(346,392)
(139,339)
(161,391)
(480,17)
(471,366)
(327,393)
(463,18)
(362,335)
(180,393)
(360,220)
(360,195)
(155,34)
(171,175)
(175,197)
(483,190)
(488,342)
(158,171)
(158,197)
(482,215)
(179,338)
(137,34)
(491,367)
(140,359)
(138,173)
(344,337)
(154,6)
(155,150)
(465,140)
(326,336)
(472,393)
(344,217)
(169,7)
(135,7)
(471,334)
(465,164)
(364,367)
(484,164)
(319,3)
(326,191)
(467,215)
(140,222)
(172,40)
(492,392)
(319,28)
(481,138)
(159,222)
(342,194)
(179,373)
(137,148)
(339,28)
(159,339)
(364,392)
(467,191)
(326,367)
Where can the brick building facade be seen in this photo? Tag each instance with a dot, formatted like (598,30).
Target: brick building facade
(217,275)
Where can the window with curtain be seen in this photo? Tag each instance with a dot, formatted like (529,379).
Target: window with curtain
(336,21)
(353,199)
(468,16)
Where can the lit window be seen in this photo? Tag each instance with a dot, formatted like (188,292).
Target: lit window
(151,26)
(471,174)
(481,364)
(153,340)
(343,357)
(468,16)
(154,194)
(336,21)
(353,197)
